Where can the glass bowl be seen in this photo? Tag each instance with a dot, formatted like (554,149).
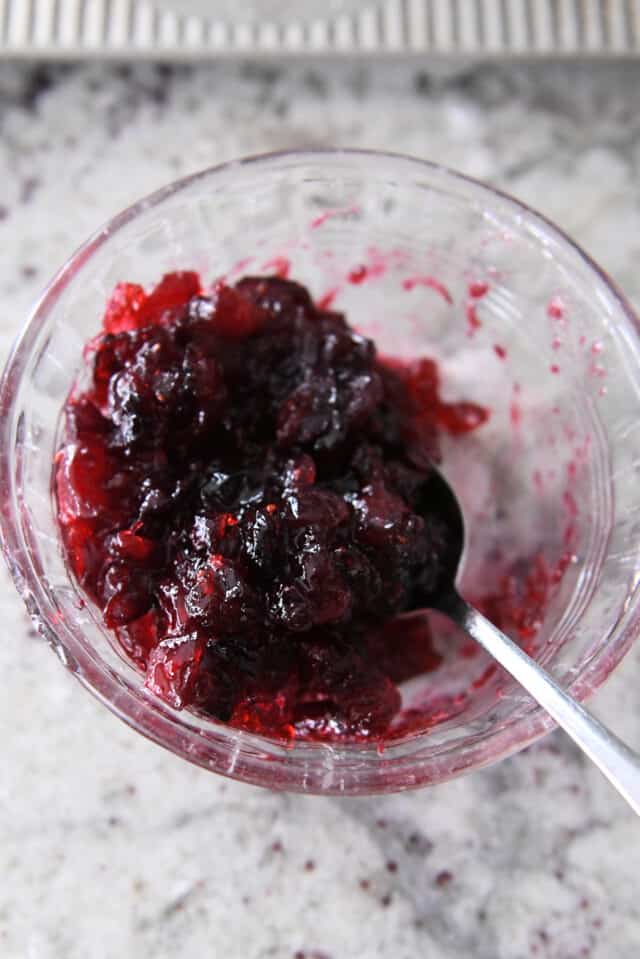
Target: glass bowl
(428,262)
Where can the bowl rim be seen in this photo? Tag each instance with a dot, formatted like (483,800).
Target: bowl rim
(512,737)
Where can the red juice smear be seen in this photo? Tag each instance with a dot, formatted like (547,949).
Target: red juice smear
(570,502)
(500,351)
(473,322)
(431,282)
(327,299)
(469,649)
(556,308)
(485,676)
(423,380)
(280,265)
(358,274)
(515,410)
(376,265)
(518,605)
(322,218)
(241,266)
(478,289)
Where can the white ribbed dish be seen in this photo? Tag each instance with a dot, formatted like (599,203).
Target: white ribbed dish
(452,28)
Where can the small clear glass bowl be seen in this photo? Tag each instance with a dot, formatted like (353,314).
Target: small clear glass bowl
(428,262)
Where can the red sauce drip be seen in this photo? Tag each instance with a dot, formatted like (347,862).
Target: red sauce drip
(431,282)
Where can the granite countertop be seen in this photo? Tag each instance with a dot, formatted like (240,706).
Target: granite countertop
(111,847)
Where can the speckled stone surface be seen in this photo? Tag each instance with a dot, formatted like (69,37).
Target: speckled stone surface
(111,848)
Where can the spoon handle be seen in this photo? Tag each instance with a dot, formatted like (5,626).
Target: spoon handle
(617,761)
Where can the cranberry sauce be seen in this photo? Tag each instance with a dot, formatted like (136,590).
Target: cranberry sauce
(237,491)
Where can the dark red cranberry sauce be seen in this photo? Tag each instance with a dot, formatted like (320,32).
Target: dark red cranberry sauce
(237,491)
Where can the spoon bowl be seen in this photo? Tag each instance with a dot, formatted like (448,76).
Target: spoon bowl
(437,498)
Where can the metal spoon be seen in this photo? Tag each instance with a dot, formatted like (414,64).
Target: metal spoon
(617,761)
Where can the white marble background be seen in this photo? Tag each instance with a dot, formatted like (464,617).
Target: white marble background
(111,848)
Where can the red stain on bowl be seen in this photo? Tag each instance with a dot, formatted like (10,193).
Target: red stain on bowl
(473,321)
(556,309)
(358,274)
(327,299)
(411,282)
(279,266)
(322,218)
(477,289)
